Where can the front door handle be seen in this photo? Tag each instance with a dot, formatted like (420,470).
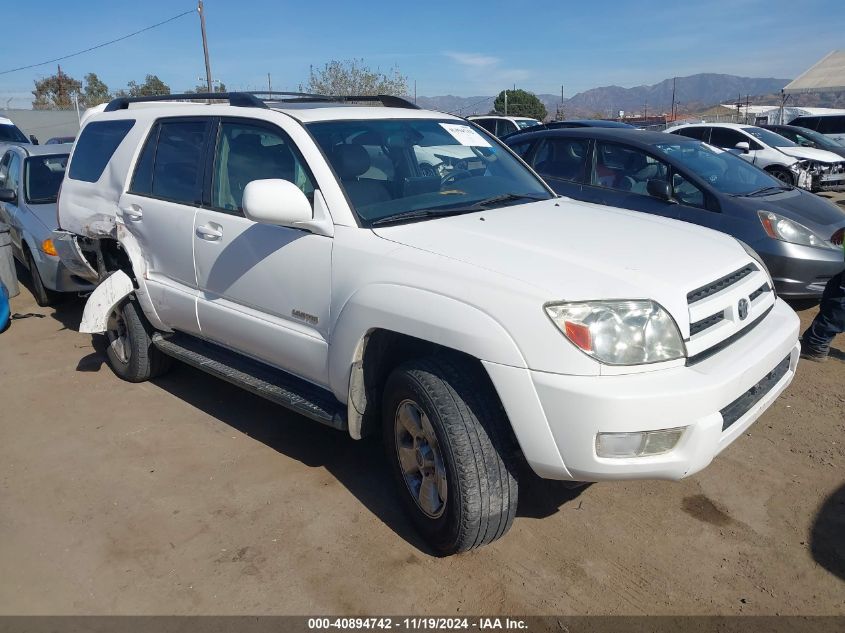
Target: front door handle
(132,212)
(209,233)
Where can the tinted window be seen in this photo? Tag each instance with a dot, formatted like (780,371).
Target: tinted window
(10,133)
(521,148)
(809,122)
(177,173)
(95,147)
(250,152)
(503,126)
(831,125)
(142,179)
(4,169)
(487,124)
(699,133)
(562,158)
(13,177)
(626,168)
(44,176)
(727,138)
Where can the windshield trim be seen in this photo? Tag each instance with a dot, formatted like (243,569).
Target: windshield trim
(492,139)
(25,175)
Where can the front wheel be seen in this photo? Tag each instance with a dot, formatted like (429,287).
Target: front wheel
(131,353)
(449,446)
(43,296)
(783,175)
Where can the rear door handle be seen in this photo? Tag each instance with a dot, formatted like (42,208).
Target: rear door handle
(209,233)
(132,212)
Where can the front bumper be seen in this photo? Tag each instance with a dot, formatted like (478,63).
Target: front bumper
(556,417)
(801,272)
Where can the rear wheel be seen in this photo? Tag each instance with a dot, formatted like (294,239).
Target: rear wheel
(449,446)
(783,175)
(131,353)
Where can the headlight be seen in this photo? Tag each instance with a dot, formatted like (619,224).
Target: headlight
(780,228)
(619,332)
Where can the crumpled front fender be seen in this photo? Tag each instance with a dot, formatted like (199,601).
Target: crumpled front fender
(114,289)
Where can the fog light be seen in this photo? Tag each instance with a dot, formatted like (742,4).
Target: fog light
(638,444)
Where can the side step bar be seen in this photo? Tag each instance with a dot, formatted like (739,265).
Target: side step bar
(277,386)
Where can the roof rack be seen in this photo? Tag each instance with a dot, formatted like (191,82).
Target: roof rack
(254,100)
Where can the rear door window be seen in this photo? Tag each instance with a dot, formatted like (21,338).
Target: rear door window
(809,122)
(503,126)
(699,133)
(831,125)
(487,124)
(179,159)
(727,138)
(96,145)
(562,158)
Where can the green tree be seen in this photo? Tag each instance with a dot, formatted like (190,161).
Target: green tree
(56,92)
(353,77)
(521,103)
(152,86)
(203,87)
(95,91)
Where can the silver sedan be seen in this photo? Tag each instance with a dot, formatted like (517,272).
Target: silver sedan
(30,177)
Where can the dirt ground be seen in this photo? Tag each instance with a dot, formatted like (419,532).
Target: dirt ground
(189,496)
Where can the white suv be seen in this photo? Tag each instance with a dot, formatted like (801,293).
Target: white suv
(503,125)
(294,247)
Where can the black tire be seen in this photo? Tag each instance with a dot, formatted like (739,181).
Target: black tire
(130,352)
(475,445)
(782,174)
(43,296)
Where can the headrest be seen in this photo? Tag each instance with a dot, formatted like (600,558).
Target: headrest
(350,160)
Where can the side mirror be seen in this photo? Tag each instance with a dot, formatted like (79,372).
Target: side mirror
(33,139)
(743,146)
(659,189)
(276,201)
(8,195)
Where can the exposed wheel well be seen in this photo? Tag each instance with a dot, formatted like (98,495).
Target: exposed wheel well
(382,351)
(106,256)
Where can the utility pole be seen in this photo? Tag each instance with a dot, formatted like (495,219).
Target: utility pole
(506,103)
(269,85)
(645,112)
(201,11)
(415,90)
(674,79)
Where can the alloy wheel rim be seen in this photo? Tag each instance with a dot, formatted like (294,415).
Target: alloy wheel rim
(420,459)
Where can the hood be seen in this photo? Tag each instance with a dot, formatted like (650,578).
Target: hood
(812,153)
(45,213)
(816,213)
(579,251)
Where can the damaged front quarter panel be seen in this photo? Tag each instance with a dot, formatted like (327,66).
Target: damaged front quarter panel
(111,291)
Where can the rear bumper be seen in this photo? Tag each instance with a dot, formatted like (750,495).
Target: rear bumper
(556,417)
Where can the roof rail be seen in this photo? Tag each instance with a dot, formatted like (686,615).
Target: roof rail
(256,100)
(388,101)
(240,99)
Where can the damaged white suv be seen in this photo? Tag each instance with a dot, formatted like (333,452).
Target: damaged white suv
(293,245)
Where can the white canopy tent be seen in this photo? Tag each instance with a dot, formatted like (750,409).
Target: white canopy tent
(827,75)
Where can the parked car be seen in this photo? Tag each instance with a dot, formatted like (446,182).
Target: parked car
(503,125)
(30,177)
(466,317)
(832,125)
(779,156)
(684,179)
(60,140)
(807,138)
(10,133)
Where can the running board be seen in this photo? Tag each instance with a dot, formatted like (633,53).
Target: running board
(277,386)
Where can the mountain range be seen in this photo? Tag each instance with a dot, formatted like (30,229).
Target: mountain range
(691,93)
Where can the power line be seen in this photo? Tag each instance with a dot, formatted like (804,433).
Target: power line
(119,39)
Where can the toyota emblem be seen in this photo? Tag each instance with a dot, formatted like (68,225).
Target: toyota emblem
(742,309)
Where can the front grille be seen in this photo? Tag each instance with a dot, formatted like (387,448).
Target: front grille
(697,358)
(720,284)
(762,289)
(739,407)
(700,326)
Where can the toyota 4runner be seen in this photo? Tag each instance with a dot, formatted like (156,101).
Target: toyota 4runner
(294,246)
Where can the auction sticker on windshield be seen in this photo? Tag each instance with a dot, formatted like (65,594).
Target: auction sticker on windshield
(465,135)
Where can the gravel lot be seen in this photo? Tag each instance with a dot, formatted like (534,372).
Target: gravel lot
(189,496)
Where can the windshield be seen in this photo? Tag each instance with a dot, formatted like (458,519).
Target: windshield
(769,138)
(406,166)
(43,177)
(524,123)
(724,171)
(818,138)
(11,134)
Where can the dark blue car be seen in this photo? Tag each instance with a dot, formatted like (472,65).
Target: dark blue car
(685,179)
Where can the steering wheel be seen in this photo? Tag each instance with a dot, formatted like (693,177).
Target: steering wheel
(455,176)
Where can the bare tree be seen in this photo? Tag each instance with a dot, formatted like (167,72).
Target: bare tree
(353,77)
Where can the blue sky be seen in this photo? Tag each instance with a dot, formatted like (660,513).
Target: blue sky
(461,48)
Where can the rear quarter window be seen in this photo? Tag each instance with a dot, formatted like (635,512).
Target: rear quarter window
(95,147)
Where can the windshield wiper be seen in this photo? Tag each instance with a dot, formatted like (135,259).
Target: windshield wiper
(481,205)
(766,190)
